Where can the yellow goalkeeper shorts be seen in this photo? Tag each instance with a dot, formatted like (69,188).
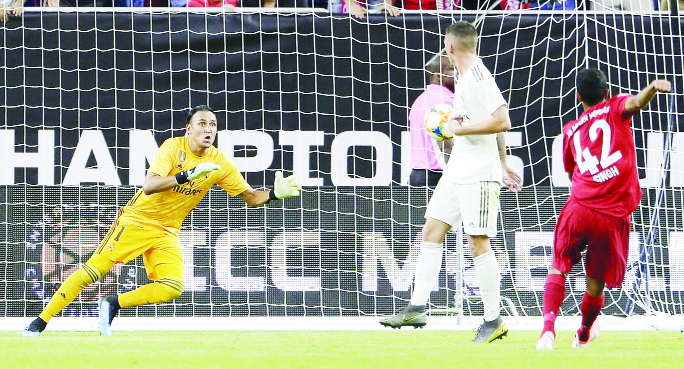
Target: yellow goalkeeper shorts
(125,241)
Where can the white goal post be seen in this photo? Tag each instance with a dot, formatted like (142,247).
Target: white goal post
(88,95)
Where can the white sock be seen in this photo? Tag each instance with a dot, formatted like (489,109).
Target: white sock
(427,269)
(489,278)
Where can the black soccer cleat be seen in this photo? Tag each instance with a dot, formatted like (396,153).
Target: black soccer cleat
(34,329)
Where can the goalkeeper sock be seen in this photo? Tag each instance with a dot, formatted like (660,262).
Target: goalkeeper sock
(489,278)
(591,307)
(91,271)
(554,293)
(427,268)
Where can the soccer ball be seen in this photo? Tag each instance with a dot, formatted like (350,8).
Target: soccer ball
(435,122)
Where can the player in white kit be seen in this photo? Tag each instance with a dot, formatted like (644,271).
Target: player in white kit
(468,193)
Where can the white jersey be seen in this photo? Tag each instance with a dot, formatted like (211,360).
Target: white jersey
(475,158)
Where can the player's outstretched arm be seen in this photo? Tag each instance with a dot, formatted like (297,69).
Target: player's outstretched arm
(640,100)
(155,183)
(499,122)
(282,188)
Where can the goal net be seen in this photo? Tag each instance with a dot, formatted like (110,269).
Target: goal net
(88,96)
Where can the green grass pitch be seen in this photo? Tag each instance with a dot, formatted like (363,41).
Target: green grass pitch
(326,349)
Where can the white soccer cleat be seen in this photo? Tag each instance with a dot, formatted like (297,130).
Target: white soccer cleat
(105,326)
(546,341)
(593,333)
(27,332)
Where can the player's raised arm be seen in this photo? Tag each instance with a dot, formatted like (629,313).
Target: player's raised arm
(640,100)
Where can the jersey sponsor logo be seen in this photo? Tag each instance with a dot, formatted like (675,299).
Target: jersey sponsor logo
(186,189)
(60,243)
(182,155)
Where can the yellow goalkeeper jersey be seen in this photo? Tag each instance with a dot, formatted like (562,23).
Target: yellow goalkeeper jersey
(168,209)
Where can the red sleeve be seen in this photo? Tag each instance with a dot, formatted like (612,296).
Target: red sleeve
(231,2)
(618,105)
(568,158)
(196,3)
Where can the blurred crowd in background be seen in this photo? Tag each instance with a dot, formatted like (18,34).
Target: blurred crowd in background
(357,8)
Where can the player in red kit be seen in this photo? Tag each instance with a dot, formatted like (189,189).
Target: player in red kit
(600,157)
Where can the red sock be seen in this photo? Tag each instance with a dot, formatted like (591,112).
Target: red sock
(591,307)
(554,294)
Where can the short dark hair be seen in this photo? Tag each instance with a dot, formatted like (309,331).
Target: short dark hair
(465,33)
(197,108)
(591,85)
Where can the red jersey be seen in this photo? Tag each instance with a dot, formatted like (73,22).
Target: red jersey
(604,176)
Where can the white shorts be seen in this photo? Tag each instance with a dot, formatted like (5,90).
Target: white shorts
(476,205)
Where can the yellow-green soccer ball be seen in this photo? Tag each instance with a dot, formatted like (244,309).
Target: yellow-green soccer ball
(435,122)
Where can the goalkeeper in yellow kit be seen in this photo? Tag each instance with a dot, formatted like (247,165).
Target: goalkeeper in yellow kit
(183,171)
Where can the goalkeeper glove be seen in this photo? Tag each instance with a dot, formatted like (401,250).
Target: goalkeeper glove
(196,172)
(284,187)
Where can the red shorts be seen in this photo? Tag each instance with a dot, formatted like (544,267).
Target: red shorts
(605,238)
